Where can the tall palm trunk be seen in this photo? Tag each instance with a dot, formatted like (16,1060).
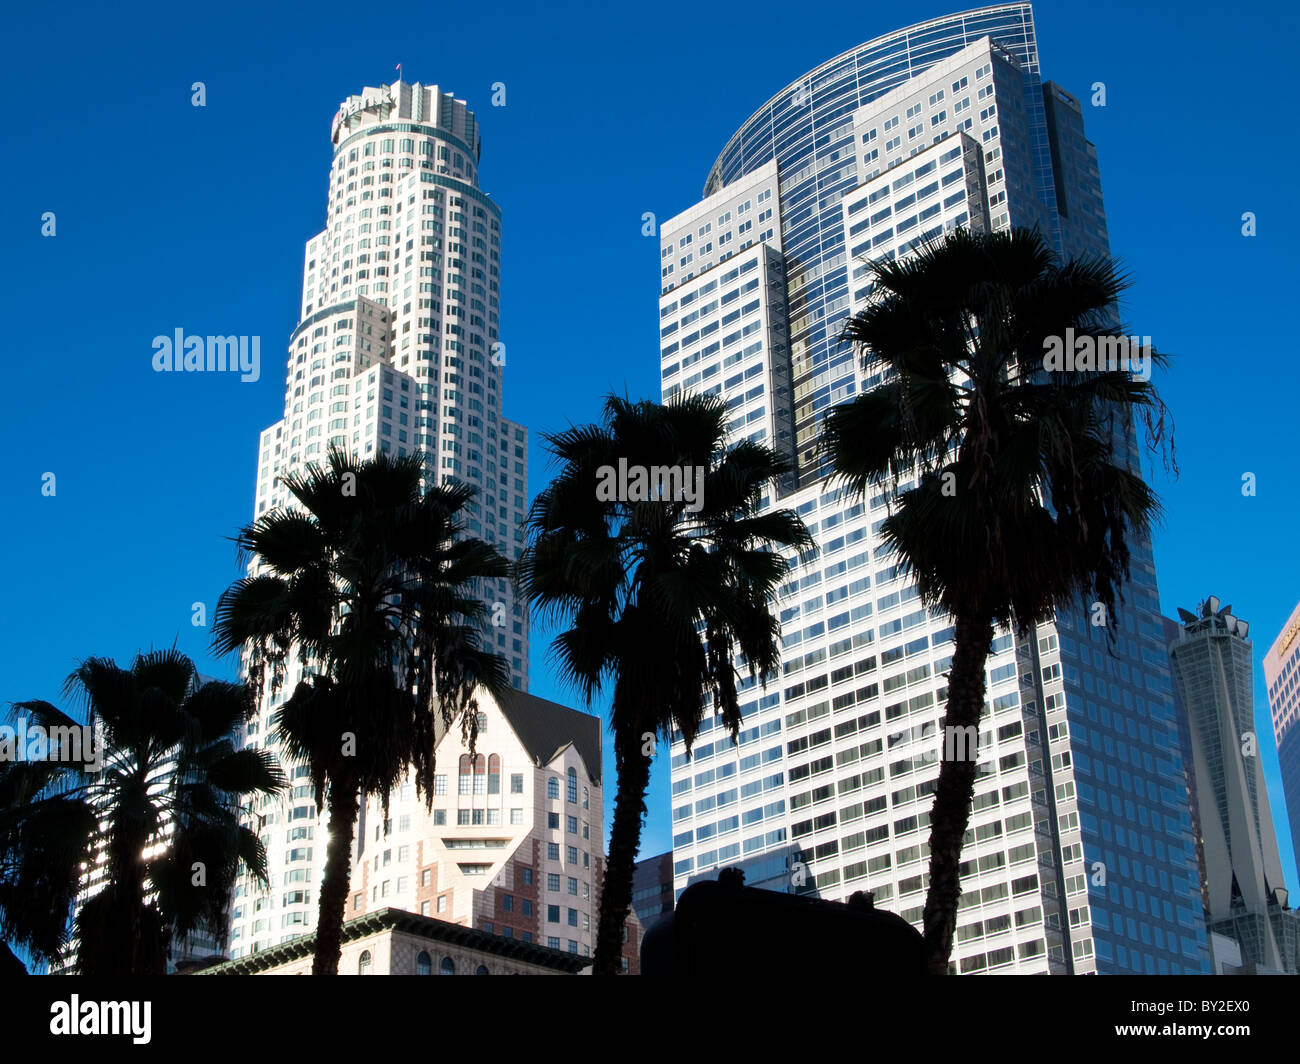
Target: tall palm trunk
(956,787)
(344,804)
(119,933)
(624,842)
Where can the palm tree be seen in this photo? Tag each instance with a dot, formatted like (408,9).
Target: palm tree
(163,801)
(46,835)
(373,581)
(659,592)
(1022,503)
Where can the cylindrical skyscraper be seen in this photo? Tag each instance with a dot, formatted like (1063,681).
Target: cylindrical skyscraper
(398,350)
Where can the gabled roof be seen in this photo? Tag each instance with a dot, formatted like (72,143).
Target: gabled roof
(546,728)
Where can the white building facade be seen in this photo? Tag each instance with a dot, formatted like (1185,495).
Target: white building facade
(513,843)
(1080,857)
(1213,666)
(398,350)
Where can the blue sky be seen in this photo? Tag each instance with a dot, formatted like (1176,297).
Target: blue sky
(174,216)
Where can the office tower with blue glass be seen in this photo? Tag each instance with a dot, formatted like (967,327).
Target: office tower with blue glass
(1080,856)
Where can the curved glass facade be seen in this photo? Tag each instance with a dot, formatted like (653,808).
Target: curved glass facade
(1082,855)
(806,128)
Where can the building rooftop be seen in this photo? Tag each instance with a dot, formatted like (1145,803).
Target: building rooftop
(423,926)
(546,728)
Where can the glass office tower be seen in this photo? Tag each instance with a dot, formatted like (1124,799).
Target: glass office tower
(1080,856)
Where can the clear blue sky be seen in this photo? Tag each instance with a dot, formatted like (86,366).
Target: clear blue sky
(172,216)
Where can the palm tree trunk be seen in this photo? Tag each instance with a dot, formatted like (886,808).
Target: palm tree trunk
(343,806)
(624,842)
(955,792)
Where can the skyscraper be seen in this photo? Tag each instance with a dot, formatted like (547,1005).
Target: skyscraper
(1214,669)
(398,350)
(1080,856)
(652,888)
(1281,666)
(1173,633)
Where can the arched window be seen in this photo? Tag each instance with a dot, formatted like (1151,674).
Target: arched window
(463,780)
(572,787)
(423,964)
(448,966)
(480,774)
(363,965)
(494,774)
(481,970)
(553,787)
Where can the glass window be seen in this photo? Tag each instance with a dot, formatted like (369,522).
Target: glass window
(423,964)
(363,965)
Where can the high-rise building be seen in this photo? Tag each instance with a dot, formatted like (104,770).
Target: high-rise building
(1282,676)
(652,888)
(1080,856)
(1246,902)
(1173,633)
(398,350)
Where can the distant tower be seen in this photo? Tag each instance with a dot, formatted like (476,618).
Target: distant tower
(1213,670)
